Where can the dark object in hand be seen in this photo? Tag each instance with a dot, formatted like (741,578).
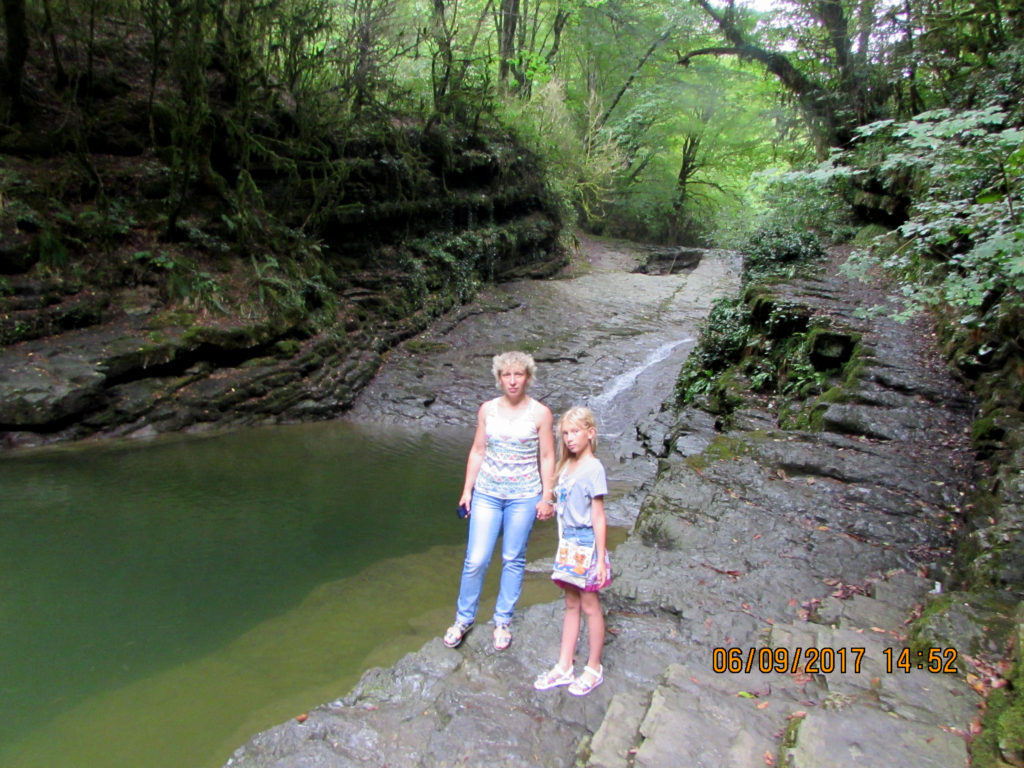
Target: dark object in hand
(463,511)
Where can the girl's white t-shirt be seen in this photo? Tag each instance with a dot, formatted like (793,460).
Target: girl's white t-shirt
(575,492)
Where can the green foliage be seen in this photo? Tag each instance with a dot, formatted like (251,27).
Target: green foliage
(778,249)
(292,287)
(1002,733)
(457,261)
(578,174)
(182,280)
(51,250)
(809,199)
(722,340)
(963,246)
(684,141)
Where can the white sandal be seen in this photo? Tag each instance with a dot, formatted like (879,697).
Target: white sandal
(553,678)
(580,687)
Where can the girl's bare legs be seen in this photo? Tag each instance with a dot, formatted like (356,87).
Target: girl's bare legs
(591,605)
(570,628)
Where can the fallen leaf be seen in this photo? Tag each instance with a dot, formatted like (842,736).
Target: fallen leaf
(762,705)
(768,759)
(302,718)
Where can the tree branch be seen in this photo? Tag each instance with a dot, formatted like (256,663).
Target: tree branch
(684,59)
(632,76)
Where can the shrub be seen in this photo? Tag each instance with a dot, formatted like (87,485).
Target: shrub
(776,249)
(722,341)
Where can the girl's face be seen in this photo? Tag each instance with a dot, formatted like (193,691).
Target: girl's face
(514,381)
(577,437)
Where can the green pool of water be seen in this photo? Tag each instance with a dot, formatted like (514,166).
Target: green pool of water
(161,602)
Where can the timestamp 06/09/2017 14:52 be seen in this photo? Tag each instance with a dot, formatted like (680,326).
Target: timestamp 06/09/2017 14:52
(735,660)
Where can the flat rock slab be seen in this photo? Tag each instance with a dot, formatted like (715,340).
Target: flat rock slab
(868,738)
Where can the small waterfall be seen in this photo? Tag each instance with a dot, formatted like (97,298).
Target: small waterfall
(626,380)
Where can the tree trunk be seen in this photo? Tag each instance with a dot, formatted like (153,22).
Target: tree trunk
(508,18)
(16,35)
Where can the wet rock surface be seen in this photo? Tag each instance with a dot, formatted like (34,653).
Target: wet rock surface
(602,335)
(759,609)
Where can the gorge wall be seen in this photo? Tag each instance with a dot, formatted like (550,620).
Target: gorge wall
(118,330)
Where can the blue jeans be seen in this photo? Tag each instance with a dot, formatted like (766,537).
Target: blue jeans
(580,535)
(513,519)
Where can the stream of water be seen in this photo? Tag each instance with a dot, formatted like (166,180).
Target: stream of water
(162,602)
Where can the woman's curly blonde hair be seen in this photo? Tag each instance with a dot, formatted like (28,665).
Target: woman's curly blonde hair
(507,360)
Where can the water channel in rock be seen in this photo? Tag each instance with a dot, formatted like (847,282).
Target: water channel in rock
(164,600)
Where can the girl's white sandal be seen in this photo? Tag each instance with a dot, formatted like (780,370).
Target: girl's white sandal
(580,687)
(553,678)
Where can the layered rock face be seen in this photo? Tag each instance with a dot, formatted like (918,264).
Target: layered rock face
(110,354)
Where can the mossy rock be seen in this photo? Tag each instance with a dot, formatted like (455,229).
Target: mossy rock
(421,347)
(987,430)
(721,448)
(288,348)
(728,392)
(1010,732)
(834,395)
(830,350)
(977,624)
(815,417)
(866,236)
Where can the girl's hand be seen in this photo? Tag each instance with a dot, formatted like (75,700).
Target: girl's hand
(465,500)
(602,572)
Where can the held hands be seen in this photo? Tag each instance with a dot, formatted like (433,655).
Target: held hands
(545,510)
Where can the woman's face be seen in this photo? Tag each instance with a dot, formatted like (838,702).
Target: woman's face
(514,381)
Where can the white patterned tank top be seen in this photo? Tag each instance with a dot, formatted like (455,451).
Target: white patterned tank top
(509,469)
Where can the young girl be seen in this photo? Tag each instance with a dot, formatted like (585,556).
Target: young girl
(579,495)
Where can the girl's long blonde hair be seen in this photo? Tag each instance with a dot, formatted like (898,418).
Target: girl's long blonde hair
(581,416)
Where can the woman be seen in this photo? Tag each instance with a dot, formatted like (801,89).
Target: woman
(508,485)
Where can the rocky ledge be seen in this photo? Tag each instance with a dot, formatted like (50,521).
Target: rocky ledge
(761,605)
